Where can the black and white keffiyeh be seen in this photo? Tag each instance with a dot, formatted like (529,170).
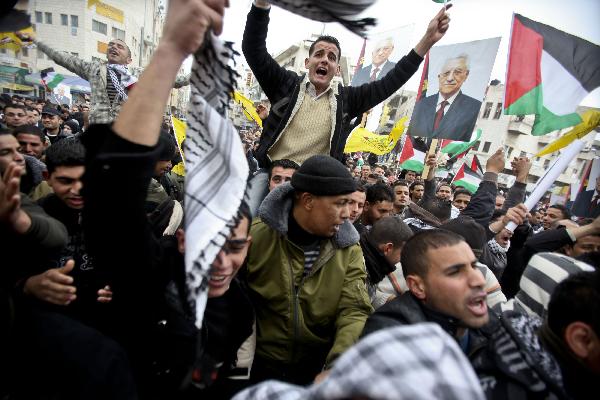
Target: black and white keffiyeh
(418,361)
(332,11)
(121,81)
(215,166)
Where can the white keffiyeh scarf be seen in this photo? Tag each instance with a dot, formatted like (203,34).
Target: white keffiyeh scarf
(331,11)
(124,82)
(215,166)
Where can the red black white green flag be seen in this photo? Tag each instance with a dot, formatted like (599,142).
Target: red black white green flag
(412,156)
(549,73)
(476,166)
(467,178)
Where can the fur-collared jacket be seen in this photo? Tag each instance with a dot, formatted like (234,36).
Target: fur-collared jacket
(300,319)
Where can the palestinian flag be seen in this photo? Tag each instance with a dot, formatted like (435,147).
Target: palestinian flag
(412,157)
(58,78)
(467,178)
(549,73)
(476,166)
(456,149)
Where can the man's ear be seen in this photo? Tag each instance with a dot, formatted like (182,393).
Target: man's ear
(386,248)
(581,339)
(307,201)
(45,175)
(366,206)
(306,63)
(416,286)
(338,70)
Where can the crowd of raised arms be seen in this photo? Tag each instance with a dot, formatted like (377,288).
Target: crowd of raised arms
(341,277)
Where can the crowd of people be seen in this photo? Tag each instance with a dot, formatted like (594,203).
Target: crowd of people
(340,278)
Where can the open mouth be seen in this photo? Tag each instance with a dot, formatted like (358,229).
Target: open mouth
(321,71)
(477,305)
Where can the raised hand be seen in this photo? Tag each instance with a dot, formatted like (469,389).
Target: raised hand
(435,31)
(496,162)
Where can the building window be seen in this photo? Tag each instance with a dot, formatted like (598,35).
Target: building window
(99,27)
(476,145)
(486,146)
(38,17)
(64,19)
(3,51)
(510,150)
(75,54)
(73,31)
(523,154)
(118,34)
(25,51)
(498,112)
(48,18)
(546,163)
(487,110)
(75,21)
(40,54)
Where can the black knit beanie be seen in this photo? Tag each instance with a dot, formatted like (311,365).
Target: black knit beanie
(323,176)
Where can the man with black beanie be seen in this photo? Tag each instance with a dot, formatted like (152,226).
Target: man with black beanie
(306,274)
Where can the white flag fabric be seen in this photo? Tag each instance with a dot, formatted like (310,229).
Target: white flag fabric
(215,166)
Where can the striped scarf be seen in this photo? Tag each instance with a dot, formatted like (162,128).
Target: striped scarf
(216,168)
(332,11)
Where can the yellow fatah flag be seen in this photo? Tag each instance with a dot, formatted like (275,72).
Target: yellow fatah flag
(248,107)
(362,139)
(10,41)
(591,119)
(179,127)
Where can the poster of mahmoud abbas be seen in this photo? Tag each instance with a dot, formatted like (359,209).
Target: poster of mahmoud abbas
(382,51)
(457,77)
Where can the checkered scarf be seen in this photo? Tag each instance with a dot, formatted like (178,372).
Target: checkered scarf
(215,166)
(125,80)
(417,361)
(331,11)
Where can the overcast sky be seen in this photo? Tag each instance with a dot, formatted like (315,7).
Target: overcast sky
(471,20)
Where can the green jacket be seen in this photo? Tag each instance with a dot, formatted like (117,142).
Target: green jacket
(299,319)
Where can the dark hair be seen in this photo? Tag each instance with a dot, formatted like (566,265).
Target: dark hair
(328,39)
(390,230)
(443,183)
(414,260)
(13,105)
(564,210)
(400,182)
(5,131)
(415,183)
(244,212)
(577,298)
(285,163)
(29,130)
(380,192)
(65,153)
(462,191)
(360,187)
(497,214)
(29,108)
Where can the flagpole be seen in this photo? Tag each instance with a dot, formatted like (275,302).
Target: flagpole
(544,183)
